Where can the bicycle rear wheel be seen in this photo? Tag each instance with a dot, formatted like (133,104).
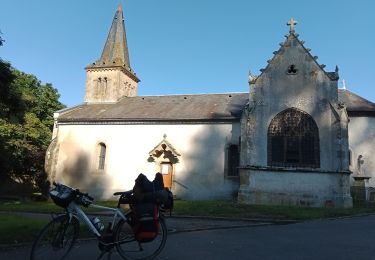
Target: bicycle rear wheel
(56,239)
(129,248)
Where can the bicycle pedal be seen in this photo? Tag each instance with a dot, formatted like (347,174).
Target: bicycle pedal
(106,242)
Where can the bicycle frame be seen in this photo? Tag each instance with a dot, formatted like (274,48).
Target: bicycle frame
(121,229)
(74,210)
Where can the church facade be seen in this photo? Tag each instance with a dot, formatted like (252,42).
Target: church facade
(293,140)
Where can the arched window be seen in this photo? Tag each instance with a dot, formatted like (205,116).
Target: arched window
(293,140)
(102,152)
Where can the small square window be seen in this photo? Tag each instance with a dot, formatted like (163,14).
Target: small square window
(164,168)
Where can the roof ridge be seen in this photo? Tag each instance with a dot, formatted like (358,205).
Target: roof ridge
(197,94)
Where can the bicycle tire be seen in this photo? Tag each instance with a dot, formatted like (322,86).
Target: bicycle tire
(56,239)
(130,249)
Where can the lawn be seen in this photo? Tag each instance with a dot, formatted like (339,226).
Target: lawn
(16,229)
(211,208)
(43,206)
(234,210)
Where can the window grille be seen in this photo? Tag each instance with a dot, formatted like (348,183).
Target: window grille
(102,153)
(293,140)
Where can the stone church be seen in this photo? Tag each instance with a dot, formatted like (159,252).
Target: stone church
(295,139)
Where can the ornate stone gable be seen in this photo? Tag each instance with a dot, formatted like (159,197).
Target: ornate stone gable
(289,125)
(164,151)
(293,58)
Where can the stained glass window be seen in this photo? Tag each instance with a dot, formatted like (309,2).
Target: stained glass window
(293,140)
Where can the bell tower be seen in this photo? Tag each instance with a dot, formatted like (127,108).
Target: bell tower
(110,78)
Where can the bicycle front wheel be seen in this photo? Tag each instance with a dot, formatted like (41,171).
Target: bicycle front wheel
(129,248)
(56,239)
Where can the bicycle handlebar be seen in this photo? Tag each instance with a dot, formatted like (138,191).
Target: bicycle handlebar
(125,193)
(76,191)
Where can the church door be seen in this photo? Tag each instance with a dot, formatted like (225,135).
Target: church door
(166,170)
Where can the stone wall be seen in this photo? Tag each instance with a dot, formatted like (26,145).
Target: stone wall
(108,85)
(311,91)
(198,174)
(293,79)
(362,142)
(294,188)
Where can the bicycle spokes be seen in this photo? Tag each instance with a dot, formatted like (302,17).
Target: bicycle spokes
(56,239)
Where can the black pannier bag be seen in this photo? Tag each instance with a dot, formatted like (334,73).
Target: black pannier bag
(147,191)
(62,195)
(146,222)
(148,196)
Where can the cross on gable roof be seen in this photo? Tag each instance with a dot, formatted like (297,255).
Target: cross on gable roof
(292,23)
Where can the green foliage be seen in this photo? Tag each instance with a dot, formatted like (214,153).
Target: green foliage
(9,97)
(42,100)
(1,40)
(26,123)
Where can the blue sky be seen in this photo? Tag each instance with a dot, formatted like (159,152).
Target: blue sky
(186,46)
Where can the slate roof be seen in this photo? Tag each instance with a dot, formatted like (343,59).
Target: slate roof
(199,107)
(356,104)
(202,107)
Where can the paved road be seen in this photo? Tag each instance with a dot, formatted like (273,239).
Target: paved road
(351,238)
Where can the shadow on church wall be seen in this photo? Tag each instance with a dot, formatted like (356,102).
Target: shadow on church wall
(203,175)
(77,174)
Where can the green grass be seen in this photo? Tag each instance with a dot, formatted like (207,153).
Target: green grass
(43,207)
(235,210)
(17,229)
(29,206)
(210,208)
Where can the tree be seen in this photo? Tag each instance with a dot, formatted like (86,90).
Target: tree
(1,40)
(11,105)
(26,122)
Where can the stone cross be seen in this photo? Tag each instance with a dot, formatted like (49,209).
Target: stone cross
(291,23)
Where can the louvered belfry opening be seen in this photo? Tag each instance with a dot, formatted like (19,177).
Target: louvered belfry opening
(293,140)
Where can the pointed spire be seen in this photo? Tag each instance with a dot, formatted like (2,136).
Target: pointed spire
(115,50)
